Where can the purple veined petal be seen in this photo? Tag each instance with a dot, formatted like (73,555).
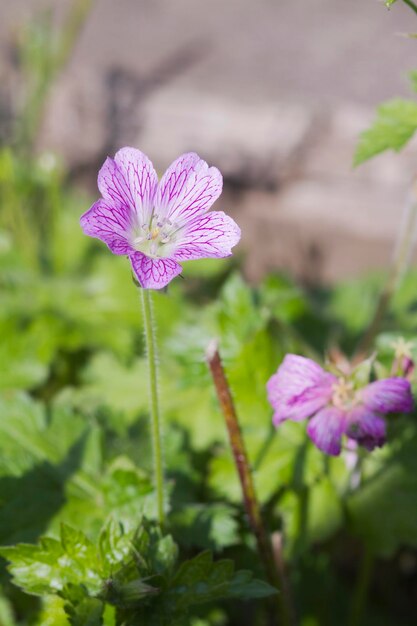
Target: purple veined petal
(299,389)
(113,186)
(110,223)
(211,235)
(141,178)
(366,427)
(154,273)
(187,189)
(390,395)
(129,181)
(326,429)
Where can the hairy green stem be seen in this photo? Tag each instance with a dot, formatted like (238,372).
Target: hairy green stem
(411,4)
(360,593)
(284,613)
(151,352)
(404,246)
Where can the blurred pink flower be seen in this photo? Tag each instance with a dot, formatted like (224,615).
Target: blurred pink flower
(337,406)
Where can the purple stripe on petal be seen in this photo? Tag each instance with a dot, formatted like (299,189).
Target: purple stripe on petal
(299,389)
(154,273)
(110,223)
(212,235)
(114,188)
(326,429)
(187,189)
(300,407)
(141,179)
(129,180)
(366,427)
(390,395)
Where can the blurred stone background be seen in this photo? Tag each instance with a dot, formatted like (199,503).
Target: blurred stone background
(273,92)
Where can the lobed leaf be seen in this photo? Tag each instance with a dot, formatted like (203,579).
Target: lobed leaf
(393,127)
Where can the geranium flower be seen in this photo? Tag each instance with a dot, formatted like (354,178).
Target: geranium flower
(159,225)
(337,405)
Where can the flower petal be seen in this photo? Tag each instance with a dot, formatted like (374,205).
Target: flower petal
(212,235)
(187,189)
(299,389)
(390,395)
(141,179)
(129,180)
(366,427)
(326,429)
(154,273)
(110,223)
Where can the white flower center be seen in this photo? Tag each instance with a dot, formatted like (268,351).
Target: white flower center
(344,394)
(156,239)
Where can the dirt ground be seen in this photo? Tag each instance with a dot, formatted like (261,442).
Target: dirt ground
(274,92)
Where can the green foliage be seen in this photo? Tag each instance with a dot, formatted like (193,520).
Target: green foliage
(382,510)
(413,79)
(74,440)
(6,612)
(395,124)
(135,572)
(211,526)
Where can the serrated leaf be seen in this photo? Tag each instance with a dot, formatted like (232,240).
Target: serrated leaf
(158,553)
(81,609)
(244,585)
(52,565)
(393,127)
(201,580)
(114,546)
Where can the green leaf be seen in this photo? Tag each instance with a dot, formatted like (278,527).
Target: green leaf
(51,565)
(52,612)
(43,460)
(413,79)
(81,609)
(201,580)
(389,3)
(6,612)
(395,124)
(211,526)
(245,586)
(158,552)
(382,510)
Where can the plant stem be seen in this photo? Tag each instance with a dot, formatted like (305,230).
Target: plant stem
(361,588)
(250,499)
(151,351)
(403,249)
(411,4)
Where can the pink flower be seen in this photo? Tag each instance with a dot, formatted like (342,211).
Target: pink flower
(337,406)
(159,225)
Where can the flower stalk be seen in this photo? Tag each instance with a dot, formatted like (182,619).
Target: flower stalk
(151,352)
(250,499)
